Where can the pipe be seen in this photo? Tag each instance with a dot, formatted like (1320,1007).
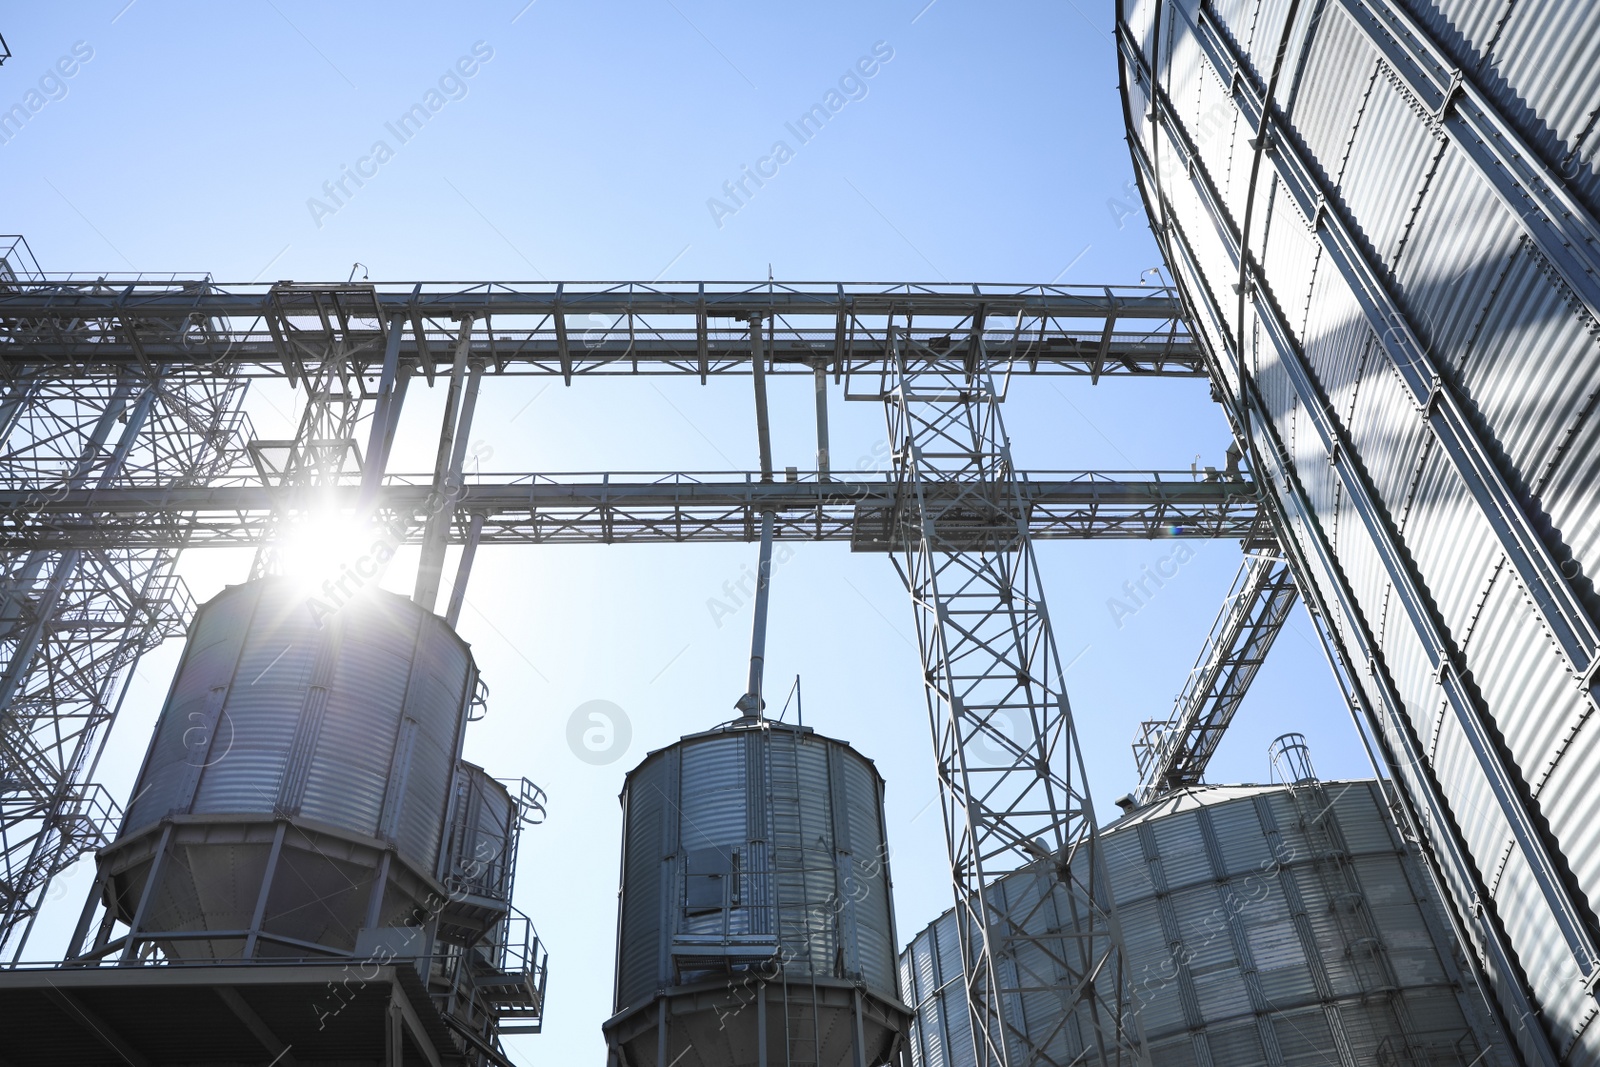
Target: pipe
(750,704)
(442,503)
(823,472)
(758,373)
(458,592)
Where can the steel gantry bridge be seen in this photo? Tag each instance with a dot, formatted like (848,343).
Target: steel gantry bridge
(126,442)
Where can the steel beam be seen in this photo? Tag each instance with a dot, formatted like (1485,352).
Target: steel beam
(676,507)
(287,330)
(78,618)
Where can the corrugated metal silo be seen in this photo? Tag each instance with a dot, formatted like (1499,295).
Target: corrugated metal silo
(299,784)
(755,925)
(1382,217)
(1264,926)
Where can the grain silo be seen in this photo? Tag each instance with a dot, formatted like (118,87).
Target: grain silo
(1382,217)
(1265,925)
(755,926)
(304,802)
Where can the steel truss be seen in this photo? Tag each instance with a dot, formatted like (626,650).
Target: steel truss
(318,329)
(574,329)
(994,685)
(89,563)
(625,508)
(1173,753)
(74,619)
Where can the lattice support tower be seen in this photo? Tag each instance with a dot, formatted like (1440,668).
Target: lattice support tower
(75,620)
(994,685)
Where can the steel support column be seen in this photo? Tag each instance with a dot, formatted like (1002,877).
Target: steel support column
(994,685)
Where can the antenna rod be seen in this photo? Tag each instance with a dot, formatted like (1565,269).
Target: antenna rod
(750,704)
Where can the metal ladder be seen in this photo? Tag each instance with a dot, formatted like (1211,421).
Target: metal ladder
(797,924)
(1330,857)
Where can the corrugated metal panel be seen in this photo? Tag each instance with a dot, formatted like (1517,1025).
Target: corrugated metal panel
(1540,949)
(1182,853)
(1482,825)
(1475,23)
(1238,16)
(1140,18)
(1337,341)
(1211,127)
(375,665)
(1290,257)
(1455,256)
(1450,541)
(1393,436)
(1392,152)
(712,794)
(262,710)
(1213,259)
(1546,70)
(1125,866)
(1337,77)
(640,913)
(1507,336)
(1241,925)
(1531,334)
(1510,662)
(800,818)
(1364,818)
(1267,36)
(868,889)
(1182,60)
(1568,492)
(253,648)
(1567,800)
(1237,1045)
(1243,846)
(1303,1038)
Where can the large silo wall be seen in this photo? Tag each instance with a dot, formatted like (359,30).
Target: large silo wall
(1399,288)
(1262,928)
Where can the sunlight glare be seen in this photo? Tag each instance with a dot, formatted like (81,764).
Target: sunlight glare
(320,548)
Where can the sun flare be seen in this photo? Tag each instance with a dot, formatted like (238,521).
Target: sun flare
(323,549)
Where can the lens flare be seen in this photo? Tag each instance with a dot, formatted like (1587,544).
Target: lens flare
(320,547)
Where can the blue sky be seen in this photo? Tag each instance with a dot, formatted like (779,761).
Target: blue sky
(586,144)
